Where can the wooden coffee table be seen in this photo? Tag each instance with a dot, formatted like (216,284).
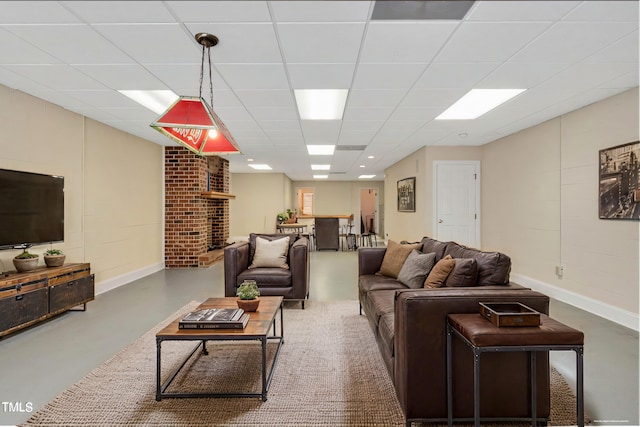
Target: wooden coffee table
(260,322)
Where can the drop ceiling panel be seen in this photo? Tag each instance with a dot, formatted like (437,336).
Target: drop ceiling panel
(387,76)
(362,125)
(623,11)
(59,77)
(375,98)
(135,114)
(35,12)
(321,131)
(306,11)
(570,42)
(153,43)
(348,137)
(522,75)
(273,113)
(521,10)
(423,114)
(439,98)
(254,76)
(73,43)
(321,76)
(284,125)
(411,42)
(454,75)
(120,11)
(185,78)
(624,50)
(320,42)
(101,98)
(585,76)
(627,80)
(363,113)
(266,98)
(228,114)
(241,42)
(17,51)
(488,42)
(122,77)
(221,11)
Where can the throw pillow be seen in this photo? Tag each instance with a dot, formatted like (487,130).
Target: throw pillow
(394,258)
(271,253)
(439,272)
(415,269)
(464,273)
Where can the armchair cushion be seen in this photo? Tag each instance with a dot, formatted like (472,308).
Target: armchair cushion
(271,253)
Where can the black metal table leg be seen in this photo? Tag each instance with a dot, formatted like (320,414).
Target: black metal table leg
(264,369)
(158,351)
(534,390)
(449,379)
(476,387)
(580,386)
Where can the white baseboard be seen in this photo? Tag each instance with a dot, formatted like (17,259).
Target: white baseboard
(607,311)
(127,278)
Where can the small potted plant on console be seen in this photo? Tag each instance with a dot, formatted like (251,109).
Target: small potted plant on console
(248,294)
(54,257)
(26,261)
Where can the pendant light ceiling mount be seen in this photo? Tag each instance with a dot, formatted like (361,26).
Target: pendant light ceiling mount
(191,122)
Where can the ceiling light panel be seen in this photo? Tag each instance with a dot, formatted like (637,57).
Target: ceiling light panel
(366,176)
(320,176)
(320,167)
(321,150)
(321,104)
(478,102)
(155,100)
(260,167)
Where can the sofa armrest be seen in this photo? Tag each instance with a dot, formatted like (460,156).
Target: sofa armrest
(236,260)
(370,260)
(299,263)
(420,353)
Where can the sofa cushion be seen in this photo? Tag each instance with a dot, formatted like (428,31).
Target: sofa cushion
(381,302)
(372,282)
(431,245)
(440,272)
(271,253)
(464,273)
(395,256)
(386,331)
(493,267)
(415,269)
(273,277)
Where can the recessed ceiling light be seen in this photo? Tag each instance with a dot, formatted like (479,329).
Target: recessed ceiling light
(361,166)
(260,167)
(249,160)
(320,176)
(478,102)
(365,176)
(320,167)
(321,104)
(321,150)
(371,157)
(155,100)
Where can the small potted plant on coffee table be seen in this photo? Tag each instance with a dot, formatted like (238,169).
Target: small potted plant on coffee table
(26,261)
(54,257)
(248,294)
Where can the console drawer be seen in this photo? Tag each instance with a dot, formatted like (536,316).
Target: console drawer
(23,308)
(69,294)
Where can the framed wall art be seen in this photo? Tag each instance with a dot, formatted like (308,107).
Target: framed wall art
(407,195)
(619,182)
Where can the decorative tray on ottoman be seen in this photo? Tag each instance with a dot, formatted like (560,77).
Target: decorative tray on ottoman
(509,314)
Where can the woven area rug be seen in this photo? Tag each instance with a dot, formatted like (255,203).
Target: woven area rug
(329,373)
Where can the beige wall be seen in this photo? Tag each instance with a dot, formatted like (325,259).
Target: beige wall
(540,205)
(413,226)
(259,199)
(113,184)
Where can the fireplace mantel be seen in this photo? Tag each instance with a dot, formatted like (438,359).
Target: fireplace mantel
(217,195)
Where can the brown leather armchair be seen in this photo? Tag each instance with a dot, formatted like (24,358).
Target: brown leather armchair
(291,283)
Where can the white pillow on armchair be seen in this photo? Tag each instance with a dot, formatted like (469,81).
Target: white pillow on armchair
(271,253)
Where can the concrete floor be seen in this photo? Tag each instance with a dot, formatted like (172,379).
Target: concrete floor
(39,363)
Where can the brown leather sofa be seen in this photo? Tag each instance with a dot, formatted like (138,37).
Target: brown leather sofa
(291,283)
(410,329)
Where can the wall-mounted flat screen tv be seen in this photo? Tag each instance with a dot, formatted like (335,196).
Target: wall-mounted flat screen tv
(31,208)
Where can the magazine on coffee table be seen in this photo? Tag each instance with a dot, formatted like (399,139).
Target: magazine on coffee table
(214,318)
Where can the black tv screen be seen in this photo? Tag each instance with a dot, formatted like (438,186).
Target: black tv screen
(31,208)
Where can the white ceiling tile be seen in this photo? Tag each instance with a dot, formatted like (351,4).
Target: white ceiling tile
(221,11)
(241,42)
(488,42)
(624,50)
(120,11)
(393,42)
(362,125)
(233,114)
(387,76)
(585,76)
(612,10)
(320,42)
(254,76)
(520,75)
(285,135)
(454,75)
(185,78)
(136,114)
(284,125)
(321,76)
(35,12)
(624,81)
(321,131)
(306,11)
(62,77)
(375,98)
(101,98)
(570,42)
(153,43)
(424,114)
(397,131)
(432,97)
(364,113)
(521,10)
(266,98)
(355,137)
(71,43)
(122,77)
(17,51)
(273,113)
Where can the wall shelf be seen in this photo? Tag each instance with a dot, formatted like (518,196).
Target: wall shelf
(217,195)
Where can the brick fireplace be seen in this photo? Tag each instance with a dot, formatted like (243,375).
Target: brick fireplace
(194,222)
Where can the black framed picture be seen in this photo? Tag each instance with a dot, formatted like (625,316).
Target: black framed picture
(619,185)
(407,195)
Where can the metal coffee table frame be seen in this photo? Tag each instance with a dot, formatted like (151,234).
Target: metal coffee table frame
(213,336)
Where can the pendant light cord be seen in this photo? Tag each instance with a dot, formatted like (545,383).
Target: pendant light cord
(202,74)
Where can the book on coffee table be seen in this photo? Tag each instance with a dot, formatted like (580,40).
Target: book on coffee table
(213,318)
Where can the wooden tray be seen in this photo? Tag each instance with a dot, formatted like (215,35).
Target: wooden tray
(509,314)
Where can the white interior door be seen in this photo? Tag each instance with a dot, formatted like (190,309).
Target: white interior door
(457,202)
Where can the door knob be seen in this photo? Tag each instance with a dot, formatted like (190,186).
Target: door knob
(440,221)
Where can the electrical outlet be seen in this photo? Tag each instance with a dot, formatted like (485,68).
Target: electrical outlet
(559,271)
